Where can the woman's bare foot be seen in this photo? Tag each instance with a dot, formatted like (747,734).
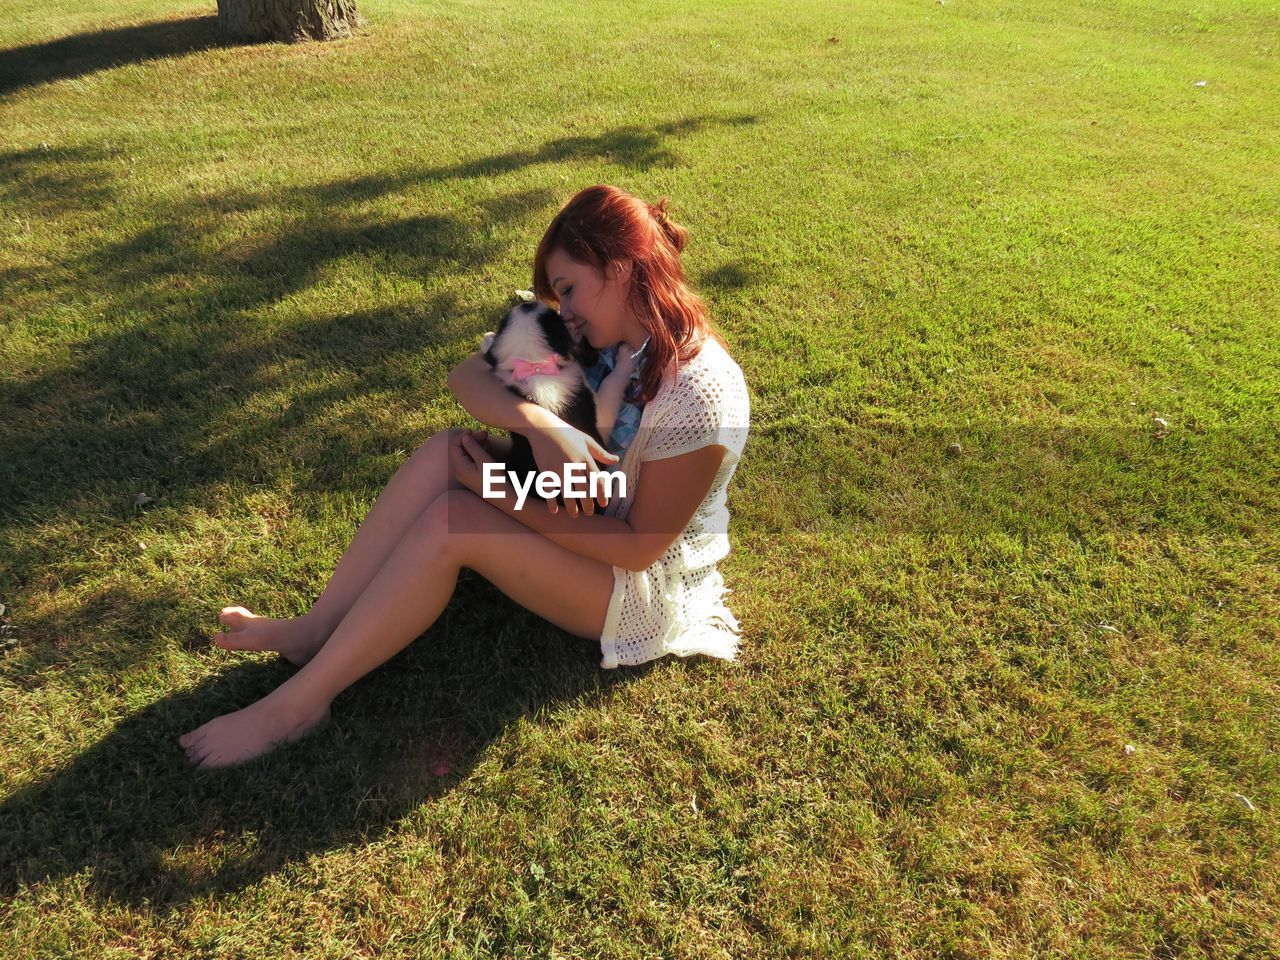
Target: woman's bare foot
(292,639)
(236,737)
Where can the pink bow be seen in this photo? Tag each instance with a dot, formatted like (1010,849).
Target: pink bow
(523,369)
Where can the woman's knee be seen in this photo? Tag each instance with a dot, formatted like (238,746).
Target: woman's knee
(455,520)
(435,445)
(430,461)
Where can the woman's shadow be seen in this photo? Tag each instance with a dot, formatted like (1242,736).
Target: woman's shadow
(146,827)
(86,53)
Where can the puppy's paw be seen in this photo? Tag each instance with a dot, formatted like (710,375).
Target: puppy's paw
(487,341)
(623,364)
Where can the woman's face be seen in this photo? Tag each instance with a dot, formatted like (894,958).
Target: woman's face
(593,305)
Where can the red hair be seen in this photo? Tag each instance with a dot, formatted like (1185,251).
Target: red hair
(602,225)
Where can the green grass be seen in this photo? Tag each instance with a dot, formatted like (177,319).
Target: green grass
(235,277)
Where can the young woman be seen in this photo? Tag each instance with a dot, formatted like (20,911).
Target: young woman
(639,576)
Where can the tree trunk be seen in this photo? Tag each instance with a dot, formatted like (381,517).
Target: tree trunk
(287,19)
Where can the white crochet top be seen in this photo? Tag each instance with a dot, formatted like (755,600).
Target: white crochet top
(677,604)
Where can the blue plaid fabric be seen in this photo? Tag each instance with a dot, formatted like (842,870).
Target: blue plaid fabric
(628,423)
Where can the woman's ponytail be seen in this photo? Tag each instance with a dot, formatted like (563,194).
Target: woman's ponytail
(676,234)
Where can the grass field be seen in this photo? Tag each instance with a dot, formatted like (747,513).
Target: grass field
(234,278)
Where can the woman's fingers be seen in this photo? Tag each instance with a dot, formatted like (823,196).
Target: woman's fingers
(600,453)
(465,447)
(599,477)
(475,449)
(595,495)
(561,450)
(586,504)
(458,461)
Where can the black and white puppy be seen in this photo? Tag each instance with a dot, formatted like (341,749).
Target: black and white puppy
(536,356)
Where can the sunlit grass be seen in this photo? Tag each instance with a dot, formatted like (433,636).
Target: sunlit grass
(965,254)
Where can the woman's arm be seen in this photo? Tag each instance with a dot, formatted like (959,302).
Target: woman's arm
(667,496)
(485,398)
(554,442)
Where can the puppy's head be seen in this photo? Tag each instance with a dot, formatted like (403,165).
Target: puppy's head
(533,352)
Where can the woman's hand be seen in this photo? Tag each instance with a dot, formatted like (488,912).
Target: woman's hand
(556,447)
(468,456)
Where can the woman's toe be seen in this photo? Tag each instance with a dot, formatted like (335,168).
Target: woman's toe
(199,751)
(236,620)
(234,617)
(202,753)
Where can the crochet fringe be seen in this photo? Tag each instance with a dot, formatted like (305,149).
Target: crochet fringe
(719,636)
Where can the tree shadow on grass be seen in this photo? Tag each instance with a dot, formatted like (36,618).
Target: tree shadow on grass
(50,181)
(183,345)
(191,379)
(173,390)
(730,277)
(85,53)
(151,830)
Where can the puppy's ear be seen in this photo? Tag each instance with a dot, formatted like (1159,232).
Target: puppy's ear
(505,322)
(492,338)
(554,332)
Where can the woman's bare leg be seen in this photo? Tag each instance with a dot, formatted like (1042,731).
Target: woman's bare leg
(421,479)
(405,597)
